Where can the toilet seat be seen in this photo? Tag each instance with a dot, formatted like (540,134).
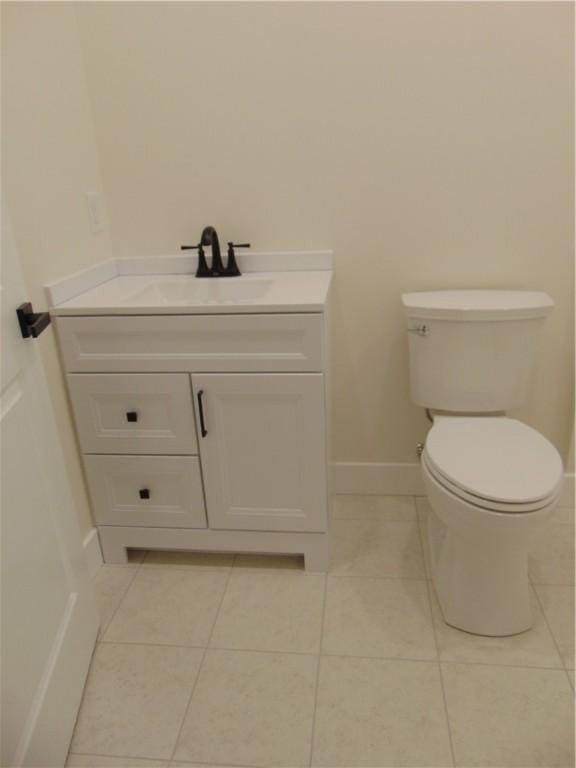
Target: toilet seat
(487,504)
(494,463)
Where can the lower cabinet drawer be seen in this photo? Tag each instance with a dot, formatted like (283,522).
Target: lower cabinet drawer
(151,491)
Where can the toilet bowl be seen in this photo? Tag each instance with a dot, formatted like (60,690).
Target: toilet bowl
(492,481)
(492,484)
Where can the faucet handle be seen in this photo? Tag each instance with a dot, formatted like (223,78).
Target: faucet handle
(232,269)
(202,270)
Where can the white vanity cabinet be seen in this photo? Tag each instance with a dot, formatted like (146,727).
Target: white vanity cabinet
(202,432)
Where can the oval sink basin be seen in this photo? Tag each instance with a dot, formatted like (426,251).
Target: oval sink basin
(218,290)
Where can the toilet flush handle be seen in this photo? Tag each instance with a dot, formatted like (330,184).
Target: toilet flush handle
(421,330)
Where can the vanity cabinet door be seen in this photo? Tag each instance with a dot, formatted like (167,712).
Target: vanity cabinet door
(263,450)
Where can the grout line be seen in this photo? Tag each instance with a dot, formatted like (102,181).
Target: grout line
(439,665)
(378,578)
(151,645)
(190,568)
(408,517)
(176,763)
(319,659)
(81,703)
(104,629)
(248,570)
(438,661)
(380,519)
(186,709)
(238,650)
(121,757)
(424,549)
(157,760)
(429,588)
(560,656)
(253,570)
(336,655)
(506,666)
(220,605)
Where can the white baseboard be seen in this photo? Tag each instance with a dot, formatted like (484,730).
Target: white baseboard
(92,551)
(400,480)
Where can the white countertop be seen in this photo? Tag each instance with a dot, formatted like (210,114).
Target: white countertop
(144,294)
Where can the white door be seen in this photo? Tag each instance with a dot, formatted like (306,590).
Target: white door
(49,616)
(262,443)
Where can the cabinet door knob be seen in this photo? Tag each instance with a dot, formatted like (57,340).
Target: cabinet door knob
(131,416)
(144,493)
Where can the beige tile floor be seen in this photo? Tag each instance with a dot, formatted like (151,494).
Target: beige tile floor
(250,661)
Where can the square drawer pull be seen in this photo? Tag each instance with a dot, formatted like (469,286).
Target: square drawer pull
(132,416)
(144,493)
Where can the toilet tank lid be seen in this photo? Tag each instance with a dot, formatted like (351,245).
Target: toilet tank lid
(478,304)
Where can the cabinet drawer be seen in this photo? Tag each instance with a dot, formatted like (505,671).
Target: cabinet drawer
(192,343)
(133,413)
(163,491)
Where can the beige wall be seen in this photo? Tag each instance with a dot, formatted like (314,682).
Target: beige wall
(429,144)
(49,160)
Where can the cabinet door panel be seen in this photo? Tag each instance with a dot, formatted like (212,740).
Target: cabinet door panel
(264,454)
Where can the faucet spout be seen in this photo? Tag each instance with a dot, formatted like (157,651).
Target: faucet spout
(210,237)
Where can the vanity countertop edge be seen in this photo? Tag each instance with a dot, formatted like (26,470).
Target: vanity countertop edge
(295,282)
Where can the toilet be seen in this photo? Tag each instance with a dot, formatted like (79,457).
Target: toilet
(491,480)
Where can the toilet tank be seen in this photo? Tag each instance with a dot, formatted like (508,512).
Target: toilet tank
(473,350)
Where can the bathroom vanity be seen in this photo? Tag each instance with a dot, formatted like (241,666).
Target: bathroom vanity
(200,405)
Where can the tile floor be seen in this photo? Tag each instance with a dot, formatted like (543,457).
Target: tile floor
(216,660)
